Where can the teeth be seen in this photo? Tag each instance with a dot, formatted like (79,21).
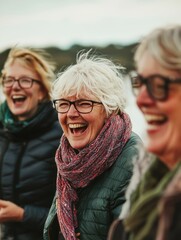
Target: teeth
(152,127)
(150,117)
(17,97)
(77,125)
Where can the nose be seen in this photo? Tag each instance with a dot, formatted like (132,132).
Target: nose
(72,111)
(16,84)
(143,98)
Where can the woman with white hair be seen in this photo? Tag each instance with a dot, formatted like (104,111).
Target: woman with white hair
(94,159)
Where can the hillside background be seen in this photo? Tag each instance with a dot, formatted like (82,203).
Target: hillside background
(119,54)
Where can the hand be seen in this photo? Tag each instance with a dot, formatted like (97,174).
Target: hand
(10,212)
(77,236)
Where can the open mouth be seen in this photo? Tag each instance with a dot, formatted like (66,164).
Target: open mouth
(18,99)
(77,128)
(155,119)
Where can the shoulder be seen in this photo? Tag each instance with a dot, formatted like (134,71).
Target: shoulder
(170,208)
(130,151)
(134,140)
(122,169)
(132,146)
(140,166)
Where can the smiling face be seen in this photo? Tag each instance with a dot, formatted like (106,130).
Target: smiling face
(81,129)
(163,117)
(23,103)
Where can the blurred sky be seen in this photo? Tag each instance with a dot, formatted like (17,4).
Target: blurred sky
(62,23)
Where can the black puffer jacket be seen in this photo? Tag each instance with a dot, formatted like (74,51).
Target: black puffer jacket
(28,172)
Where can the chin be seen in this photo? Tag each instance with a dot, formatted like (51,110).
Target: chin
(155,148)
(77,146)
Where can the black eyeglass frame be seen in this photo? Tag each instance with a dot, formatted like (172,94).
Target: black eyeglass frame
(74,103)
(148,82)
(32,80)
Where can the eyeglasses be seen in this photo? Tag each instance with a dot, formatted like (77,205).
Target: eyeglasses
(82,106)
(156,85)
(24,82)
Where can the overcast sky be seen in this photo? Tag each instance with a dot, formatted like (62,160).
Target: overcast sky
(62,23)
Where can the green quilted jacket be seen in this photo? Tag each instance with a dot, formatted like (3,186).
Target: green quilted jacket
(101,201)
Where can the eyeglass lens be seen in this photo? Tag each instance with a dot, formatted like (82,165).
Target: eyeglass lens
(23,82)
(156,86)
(82,106)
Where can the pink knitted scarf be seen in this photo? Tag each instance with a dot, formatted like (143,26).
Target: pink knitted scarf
(77,170)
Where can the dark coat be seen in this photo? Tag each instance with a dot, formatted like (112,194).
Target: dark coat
(28,172)
(101,201)
(155,205)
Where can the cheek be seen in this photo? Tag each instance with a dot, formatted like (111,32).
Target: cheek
(175,122)
(41,93)
(61,119)
(172,110)
(98,121)
(6,91)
